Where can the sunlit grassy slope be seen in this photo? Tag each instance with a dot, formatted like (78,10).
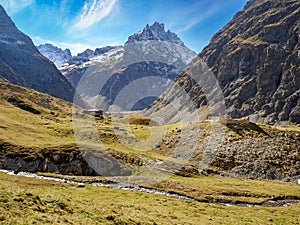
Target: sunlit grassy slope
(31,120)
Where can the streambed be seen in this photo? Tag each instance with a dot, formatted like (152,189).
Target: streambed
(133,187)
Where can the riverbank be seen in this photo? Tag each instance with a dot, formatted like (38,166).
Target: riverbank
(25,200)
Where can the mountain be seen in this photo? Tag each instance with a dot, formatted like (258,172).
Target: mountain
(155,32)
(255,59)
(153,55)
(58,56)
(22,64)
(89,54)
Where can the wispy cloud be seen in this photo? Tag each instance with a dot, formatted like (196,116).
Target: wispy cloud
(14,6)
(198,19)
(184,16)
(93,12)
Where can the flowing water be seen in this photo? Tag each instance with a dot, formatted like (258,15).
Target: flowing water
(132,187)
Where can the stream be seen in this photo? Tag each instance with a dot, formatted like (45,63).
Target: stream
(132,187)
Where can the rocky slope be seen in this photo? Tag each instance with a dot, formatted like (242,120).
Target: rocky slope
(245,150)
(22,64)
(103,73)
(255,59)
(88,54)
(37,134)
(58,56)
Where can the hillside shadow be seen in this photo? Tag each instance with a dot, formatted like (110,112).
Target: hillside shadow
(239,128)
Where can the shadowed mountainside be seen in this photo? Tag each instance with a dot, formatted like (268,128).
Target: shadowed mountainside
(22,64)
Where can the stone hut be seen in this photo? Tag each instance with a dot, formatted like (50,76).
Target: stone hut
(93,112)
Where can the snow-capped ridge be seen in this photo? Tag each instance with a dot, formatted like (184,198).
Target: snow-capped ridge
(58,56)
(89,54)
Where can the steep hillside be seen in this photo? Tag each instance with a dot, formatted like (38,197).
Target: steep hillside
(255,59)
(37,134)
(22,64)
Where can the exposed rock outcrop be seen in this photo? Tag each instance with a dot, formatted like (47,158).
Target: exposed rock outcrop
(58,56)
(62,159)
(255,59)
(155,32)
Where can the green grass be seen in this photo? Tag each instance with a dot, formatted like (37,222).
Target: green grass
(20,127)
(31,201)
(214,188)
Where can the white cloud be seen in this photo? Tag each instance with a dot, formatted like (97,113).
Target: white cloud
(14,6)
(93,12)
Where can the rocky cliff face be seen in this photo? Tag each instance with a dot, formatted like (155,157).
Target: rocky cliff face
(255,59)
(22,64)
(142,96)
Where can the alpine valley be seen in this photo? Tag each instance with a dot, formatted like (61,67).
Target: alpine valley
(150,132)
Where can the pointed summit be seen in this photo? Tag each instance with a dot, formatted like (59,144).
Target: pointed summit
(155,32)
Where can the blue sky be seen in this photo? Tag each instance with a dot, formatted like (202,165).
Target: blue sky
(81,24)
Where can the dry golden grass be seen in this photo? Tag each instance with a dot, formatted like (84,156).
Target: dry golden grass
(31,201)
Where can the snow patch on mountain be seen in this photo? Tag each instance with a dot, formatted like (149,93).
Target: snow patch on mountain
(89,54)
(58,56)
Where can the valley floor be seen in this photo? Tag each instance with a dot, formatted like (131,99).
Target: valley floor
(37,134)
(32,201)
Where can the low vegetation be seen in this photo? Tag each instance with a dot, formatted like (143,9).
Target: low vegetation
(35,125)
(32,201)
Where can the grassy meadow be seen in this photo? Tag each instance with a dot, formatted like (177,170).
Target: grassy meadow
(31,121)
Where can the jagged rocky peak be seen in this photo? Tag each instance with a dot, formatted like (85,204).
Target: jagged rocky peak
(58,56)
(85,54)
(88,53)
(100,51)
(155,32)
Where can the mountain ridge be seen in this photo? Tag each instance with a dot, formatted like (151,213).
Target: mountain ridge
(22,64)
(254,58)
(155,32)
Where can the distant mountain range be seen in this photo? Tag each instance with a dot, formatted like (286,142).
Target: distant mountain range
(22,64)
(255,59)
(152,52)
